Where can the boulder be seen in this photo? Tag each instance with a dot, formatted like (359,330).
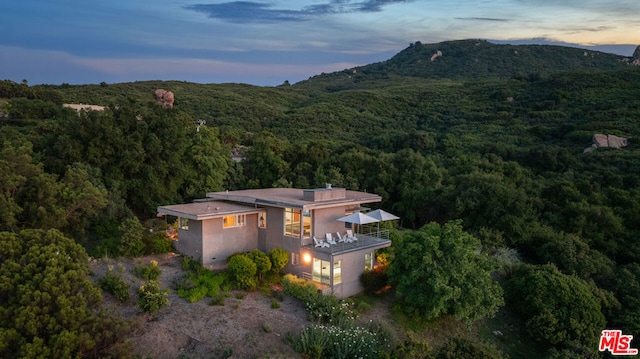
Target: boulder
(165,98)
(600,140)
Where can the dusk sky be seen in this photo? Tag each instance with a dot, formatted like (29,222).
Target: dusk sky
(267,42)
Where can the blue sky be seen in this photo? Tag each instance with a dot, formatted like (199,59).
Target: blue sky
(267,42)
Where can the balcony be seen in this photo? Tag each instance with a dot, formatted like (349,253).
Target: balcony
(374,239)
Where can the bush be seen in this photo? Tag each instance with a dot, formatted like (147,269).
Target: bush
(152,297)
(194,287)
(279,259)
(330,309)
(149,272)
(157,243)
(374,280)
(243,271)
(262,261)
(320,341)
(299,288)
(458,347)
(131,244)
(113,283)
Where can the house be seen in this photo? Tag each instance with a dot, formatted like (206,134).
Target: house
(211,229)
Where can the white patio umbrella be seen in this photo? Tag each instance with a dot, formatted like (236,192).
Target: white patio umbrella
(357,218)
(381,215)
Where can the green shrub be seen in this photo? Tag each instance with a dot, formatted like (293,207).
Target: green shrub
(330,309)
(262,261)
(113,283)
(191,265)
(243,271)
(374,280)
(157,243)
(299,288)
(194,287)
(279,259)
(320,341)
(130,244)
(152,297)
(458,347)
(275,304)
(149,272)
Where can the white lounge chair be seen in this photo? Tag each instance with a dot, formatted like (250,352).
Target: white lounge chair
(330,239)
(319,243)
(350,236)
(341,239)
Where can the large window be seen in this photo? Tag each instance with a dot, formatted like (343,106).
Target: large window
(321,271)
(337,272)
(292,222)
(368,261)
(296,222)
(233,221)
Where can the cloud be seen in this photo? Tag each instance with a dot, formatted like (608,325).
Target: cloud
(255,12)
(482,19)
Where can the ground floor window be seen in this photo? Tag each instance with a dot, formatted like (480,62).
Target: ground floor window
(368,261)
(321,271)
(233,221)
(337,272)
(184,223)
(295,258)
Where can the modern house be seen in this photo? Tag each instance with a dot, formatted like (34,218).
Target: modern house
(213,228)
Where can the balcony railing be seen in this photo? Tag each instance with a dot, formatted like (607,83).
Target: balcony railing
(375,238)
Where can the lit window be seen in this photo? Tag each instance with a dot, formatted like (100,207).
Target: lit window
(184,223)
(337,272)
(321,271)
(295,258)
(368,261)
(233,221)
(292,222)
(229,221)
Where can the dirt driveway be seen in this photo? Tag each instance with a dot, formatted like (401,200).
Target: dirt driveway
(245,327)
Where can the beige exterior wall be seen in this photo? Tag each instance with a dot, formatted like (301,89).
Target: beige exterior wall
(189,242)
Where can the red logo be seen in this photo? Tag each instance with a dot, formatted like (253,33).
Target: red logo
(616,343)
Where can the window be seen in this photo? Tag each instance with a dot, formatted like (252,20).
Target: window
(337,272)
(233,221)
(292,222)
(368,261)
(306,223)
(184,223)
(262,220)
(295,258)
(321,271)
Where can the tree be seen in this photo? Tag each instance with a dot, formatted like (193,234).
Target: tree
(131,232)
(262,261)
(279,259)
(243,270)
(558,309)
(49,305)
(439,270)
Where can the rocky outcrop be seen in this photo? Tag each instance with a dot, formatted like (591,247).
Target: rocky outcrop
(436,55)
(165,98)
(612,141)
(635,59)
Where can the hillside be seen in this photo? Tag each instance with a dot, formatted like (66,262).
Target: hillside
(481,134)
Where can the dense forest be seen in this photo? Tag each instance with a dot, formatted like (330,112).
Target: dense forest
(488,136)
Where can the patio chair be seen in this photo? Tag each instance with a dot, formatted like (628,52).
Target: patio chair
(319,243)
(350,236)
(341,239)
(330,239)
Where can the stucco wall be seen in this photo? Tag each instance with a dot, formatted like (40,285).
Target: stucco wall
(189,241)
(219,243)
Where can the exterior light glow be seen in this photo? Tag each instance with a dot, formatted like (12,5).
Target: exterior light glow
(306,258)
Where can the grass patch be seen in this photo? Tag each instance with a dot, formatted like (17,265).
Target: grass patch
(195,287)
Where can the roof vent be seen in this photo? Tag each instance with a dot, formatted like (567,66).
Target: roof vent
(327,185)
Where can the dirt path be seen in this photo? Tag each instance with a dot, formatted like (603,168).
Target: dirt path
(245,327)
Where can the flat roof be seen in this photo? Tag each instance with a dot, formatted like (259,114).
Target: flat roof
(291,197)
(206,210)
